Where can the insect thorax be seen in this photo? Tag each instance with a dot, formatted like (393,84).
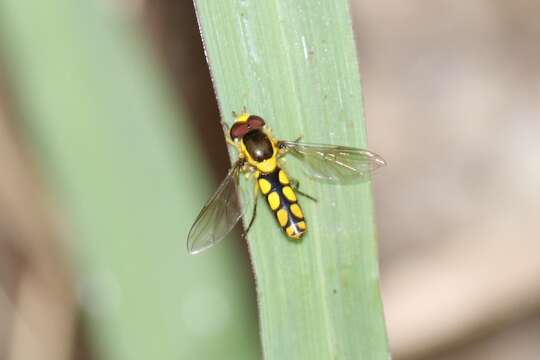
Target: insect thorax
(260,150)
(258,145)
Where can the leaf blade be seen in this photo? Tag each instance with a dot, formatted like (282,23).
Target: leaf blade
(295,65)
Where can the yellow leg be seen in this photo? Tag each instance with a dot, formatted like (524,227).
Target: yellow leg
(230,141)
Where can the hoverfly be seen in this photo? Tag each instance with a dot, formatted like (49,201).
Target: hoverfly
(258,156)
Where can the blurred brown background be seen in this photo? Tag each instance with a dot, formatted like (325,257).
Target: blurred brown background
(451,92)
(451,95)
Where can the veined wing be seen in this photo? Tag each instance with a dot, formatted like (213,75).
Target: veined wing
(334,163)
(218,217)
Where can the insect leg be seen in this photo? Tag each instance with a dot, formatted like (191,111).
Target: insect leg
(295,184)
(228,135)
(254,213)
(230,141)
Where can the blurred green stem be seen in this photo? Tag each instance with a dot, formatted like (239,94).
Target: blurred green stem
(106,134)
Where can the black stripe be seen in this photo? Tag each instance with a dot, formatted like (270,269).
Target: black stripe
(284,203)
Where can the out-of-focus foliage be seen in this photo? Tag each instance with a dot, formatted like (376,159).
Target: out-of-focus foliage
(128,180)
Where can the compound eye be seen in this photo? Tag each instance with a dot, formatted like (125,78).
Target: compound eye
(239,130)
(255,122)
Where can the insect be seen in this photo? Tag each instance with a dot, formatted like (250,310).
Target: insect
(259,156)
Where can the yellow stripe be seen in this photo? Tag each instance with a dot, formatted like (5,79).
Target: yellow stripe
(241,117)
(295,209)
(290,231)
(283,179)
(301,225)
(289,193)
(294,233)
(273,200)
(282,217)
(265,186)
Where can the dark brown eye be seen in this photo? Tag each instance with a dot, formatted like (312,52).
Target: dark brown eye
(239,130)
(255,122)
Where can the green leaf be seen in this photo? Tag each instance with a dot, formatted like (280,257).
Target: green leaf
(128,179)
(293,62)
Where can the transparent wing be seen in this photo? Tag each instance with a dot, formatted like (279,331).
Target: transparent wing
(218,217)
(334,163)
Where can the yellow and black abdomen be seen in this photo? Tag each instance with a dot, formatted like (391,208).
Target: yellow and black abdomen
(282,200)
